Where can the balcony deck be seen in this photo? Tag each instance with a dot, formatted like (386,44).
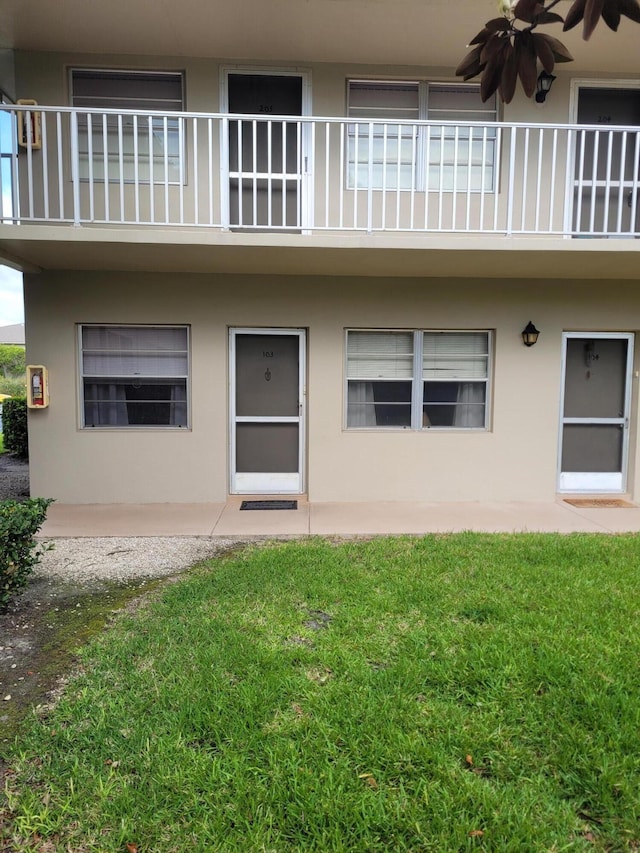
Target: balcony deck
(297,195)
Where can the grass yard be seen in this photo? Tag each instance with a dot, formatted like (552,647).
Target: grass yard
(447,693)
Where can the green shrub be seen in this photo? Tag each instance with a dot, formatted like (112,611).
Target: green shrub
(14,426)
(13,387)
(19,552)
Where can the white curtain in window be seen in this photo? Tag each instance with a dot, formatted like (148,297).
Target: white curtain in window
(470,405)
(105,405)
(178,406)
(361,411)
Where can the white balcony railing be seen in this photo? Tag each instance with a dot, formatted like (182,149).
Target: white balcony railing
(307,174)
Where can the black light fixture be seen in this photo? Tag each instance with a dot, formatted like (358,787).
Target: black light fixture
(543,86)
(530,334)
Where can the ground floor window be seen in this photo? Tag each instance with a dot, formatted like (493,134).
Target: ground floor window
(417,379)
(134,376)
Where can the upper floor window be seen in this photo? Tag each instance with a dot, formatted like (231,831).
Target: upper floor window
(389,152)
(134,376)
(135,146)
(417,379)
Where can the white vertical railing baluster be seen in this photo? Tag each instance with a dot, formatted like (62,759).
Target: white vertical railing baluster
(75,172)
(454,200)
(607,182)
(29,138)
(498,164)
(165,146)
(398,176)
(105,166)
(552,184)
(196,171)
(45,165)
(59,149)
(483,178)
(621,182)
(254,172)
(225,168)
(427,175)
(152,171)
(136,171)
(525,180)
(467,218)
(594,181)
(269,174)
(90,173)
(343,156)
(511,172)
(121,166)
(539,167)
(441,180)
(385,137)
(370,182)
(327,196)
(181,175)
(414,161)
(356,174)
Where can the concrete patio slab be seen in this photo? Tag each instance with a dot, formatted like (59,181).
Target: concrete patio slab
(416,518)
(261,522)
(67,520)
(333,519)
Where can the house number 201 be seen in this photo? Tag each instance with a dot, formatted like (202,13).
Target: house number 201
(267,353)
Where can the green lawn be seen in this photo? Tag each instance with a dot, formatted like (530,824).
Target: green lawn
(446,693)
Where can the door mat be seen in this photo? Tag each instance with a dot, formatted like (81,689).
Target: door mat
(269,505)
(599,503)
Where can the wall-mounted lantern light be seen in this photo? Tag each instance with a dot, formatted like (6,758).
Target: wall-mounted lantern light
(530,334)
(543,86)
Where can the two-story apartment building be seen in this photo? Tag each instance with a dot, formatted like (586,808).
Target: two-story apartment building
(279,248)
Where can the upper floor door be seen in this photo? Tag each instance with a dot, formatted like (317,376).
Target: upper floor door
(267,155)
(607,161)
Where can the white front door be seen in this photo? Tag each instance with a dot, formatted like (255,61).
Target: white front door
(267,410)
(594,436)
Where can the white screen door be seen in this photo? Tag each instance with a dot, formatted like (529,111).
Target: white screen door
(267,410)
(595,411)
(266,157)
(606,171)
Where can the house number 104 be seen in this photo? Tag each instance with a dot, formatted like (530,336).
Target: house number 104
(267,353)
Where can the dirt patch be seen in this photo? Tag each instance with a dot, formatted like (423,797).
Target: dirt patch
(14,477)
(41,634)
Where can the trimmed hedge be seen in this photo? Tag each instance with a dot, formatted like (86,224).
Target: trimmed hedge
(14,426)
(19,552)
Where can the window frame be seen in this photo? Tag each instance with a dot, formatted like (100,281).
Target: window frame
(82,376)
(87,174)
(421,140)
(418,381)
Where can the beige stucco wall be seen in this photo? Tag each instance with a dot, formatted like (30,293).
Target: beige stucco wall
(515,459)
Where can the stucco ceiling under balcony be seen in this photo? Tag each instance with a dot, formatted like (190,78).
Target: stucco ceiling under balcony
(399,32)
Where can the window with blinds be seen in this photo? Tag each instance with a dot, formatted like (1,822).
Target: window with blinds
(140,146)
(134,376)
(417,379)
(387,152)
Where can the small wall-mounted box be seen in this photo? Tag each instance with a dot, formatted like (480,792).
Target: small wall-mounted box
(29,125)
(37,386)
